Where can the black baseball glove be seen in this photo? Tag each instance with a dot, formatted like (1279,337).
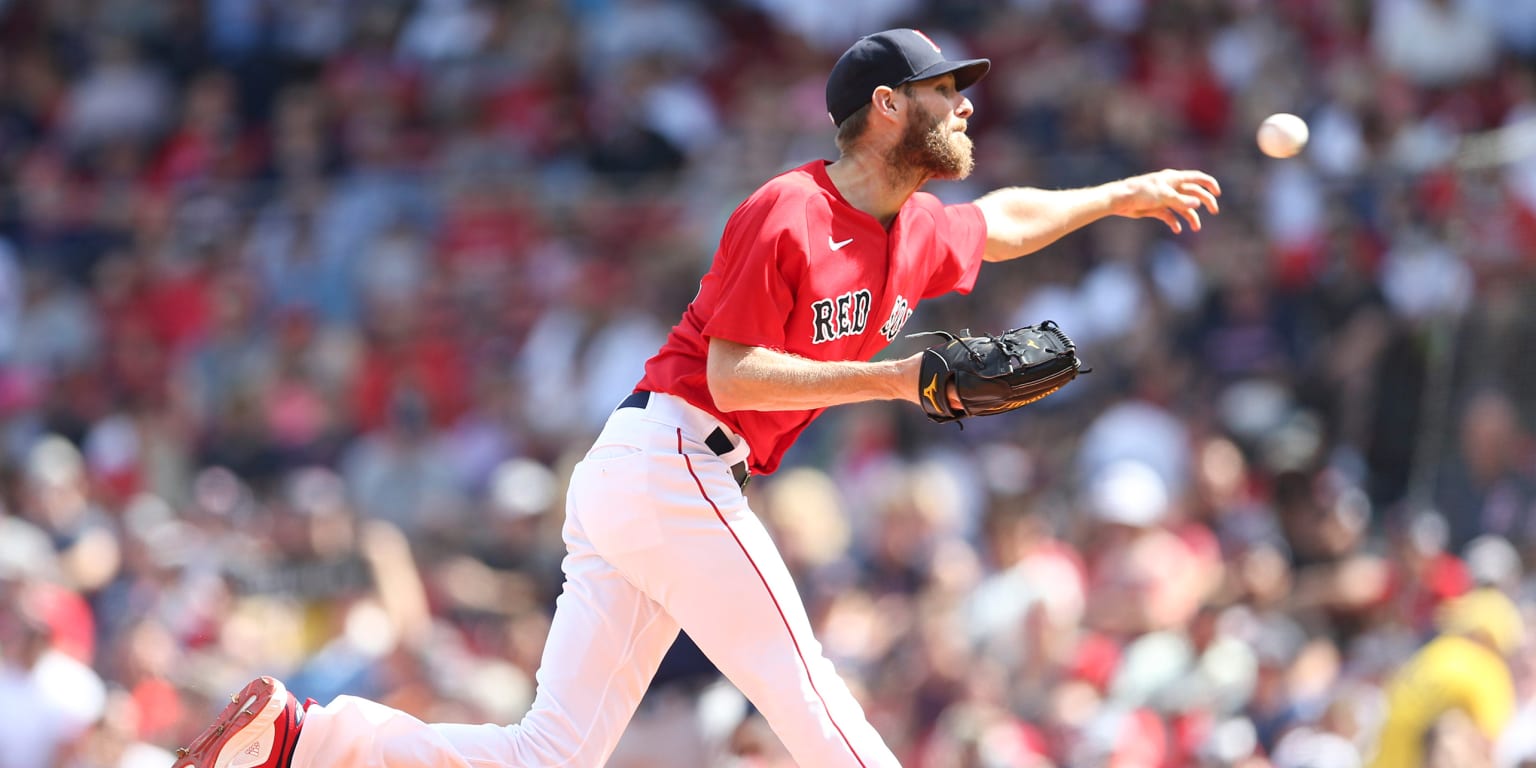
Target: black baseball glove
(993,374)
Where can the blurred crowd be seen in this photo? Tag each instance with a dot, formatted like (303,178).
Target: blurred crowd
(307,306)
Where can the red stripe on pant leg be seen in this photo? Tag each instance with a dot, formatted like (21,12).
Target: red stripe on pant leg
(809,678)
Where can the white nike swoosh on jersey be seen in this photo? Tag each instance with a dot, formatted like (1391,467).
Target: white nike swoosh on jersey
(837,246)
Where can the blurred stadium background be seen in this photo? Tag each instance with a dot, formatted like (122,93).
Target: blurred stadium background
(306,307)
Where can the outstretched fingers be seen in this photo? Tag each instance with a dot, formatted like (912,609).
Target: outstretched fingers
(1206,194)
(1187,191)
(1166,216)
(1173,197)
(1199,179)
(1194,218)
(1186,205)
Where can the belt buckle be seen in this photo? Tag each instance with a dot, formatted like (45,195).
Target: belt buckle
(742,473)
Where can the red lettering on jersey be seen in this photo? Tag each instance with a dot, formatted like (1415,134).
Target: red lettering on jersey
(901,312)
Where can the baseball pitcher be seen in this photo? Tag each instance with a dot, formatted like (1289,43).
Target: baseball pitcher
(816,272)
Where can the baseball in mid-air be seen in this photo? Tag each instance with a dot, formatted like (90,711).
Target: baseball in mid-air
(1282,135)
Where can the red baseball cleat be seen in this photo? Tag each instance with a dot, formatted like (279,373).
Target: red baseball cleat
(257,729)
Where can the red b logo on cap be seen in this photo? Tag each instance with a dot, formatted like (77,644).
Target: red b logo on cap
(927,40)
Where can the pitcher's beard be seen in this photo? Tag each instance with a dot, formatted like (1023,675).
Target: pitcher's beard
(929,149)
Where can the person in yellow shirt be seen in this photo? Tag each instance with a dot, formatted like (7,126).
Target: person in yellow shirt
(1463,670)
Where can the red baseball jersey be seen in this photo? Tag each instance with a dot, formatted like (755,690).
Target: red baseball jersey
(801,270)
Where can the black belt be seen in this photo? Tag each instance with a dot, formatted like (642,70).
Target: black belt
(717,441)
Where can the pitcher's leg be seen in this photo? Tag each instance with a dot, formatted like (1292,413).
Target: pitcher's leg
(604,645)
(768,650)
(605,642)
(351,732)
(736,599)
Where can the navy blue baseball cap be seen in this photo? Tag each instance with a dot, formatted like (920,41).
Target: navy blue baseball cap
(891,58)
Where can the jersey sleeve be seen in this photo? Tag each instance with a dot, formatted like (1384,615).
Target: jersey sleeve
(751,283)
(960,240)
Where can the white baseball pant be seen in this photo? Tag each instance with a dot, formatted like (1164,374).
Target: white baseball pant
(658,537)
